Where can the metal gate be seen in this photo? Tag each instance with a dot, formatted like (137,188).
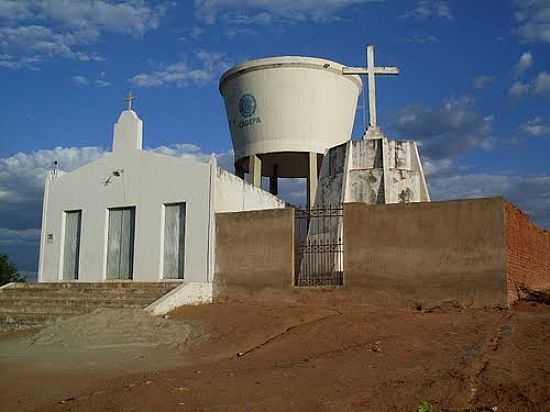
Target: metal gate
(319,254)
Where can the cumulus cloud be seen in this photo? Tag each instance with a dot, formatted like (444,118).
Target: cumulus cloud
(28,45)
(446,131)
(533,20)
(80,80)
(430,8)
(519,89)
(482,81)
(525,61)
(32,31)
(14,9)
(540,86)
(127,16)
(85,81)
(267,11)
(536,127)
(207,67)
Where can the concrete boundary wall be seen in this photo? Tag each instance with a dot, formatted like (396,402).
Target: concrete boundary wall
(254,253)
(426,253)
(473,253)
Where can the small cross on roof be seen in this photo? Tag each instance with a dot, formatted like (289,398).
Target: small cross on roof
(130,99)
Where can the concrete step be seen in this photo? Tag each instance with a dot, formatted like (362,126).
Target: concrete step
(98,285)
(35,304)
(84,294)
(15,300)
(74,305)
(30,319)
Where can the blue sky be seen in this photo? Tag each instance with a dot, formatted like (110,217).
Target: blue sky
(474,88)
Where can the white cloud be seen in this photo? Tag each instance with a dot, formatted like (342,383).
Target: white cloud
(267,11)
(32,31)
(28,45)
(446,131)
(81,80)
(482,81)
(533,19)
(209,65)
(102,83)
(84,81)
(192,34)
(519,89)
(430,8)
(536,127)
(525,61)
(18,237)
(540,86)
(422,38)
(127,16)
(14,9)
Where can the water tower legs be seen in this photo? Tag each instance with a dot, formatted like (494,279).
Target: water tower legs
(312,179)
(274,182)
(239,171)
(255,170)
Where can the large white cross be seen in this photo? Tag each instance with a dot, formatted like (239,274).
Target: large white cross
(371,71)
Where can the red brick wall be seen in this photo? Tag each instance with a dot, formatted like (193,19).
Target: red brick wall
(527,253)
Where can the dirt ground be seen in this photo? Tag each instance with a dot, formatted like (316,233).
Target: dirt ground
(260,357)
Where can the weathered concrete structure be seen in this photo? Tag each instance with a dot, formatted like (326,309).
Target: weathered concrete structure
(374,171)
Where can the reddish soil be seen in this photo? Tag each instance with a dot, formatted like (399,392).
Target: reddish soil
(259,357)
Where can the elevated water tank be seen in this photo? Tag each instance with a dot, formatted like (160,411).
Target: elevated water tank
(285,112)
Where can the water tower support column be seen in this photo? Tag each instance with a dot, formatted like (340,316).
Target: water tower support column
(312,179)
(255,170)
(239,171)
(273,182)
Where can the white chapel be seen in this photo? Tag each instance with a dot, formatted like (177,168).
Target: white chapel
(138,215)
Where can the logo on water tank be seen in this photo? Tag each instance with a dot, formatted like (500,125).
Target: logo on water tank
(247,105)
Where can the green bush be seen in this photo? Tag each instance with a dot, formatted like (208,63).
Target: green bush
(8,272)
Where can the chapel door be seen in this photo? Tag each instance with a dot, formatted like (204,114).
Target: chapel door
(174,241)
(71,248)
(120,246)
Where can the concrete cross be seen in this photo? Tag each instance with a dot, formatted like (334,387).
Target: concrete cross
(371,71)
(130,99)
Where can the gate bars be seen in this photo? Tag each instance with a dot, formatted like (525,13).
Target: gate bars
(319,254)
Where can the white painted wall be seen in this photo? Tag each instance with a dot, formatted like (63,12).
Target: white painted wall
(147,181)
(233,194)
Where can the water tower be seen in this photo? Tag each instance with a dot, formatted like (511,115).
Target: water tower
(284,113)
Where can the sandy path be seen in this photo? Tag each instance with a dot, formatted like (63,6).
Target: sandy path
(311,358)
